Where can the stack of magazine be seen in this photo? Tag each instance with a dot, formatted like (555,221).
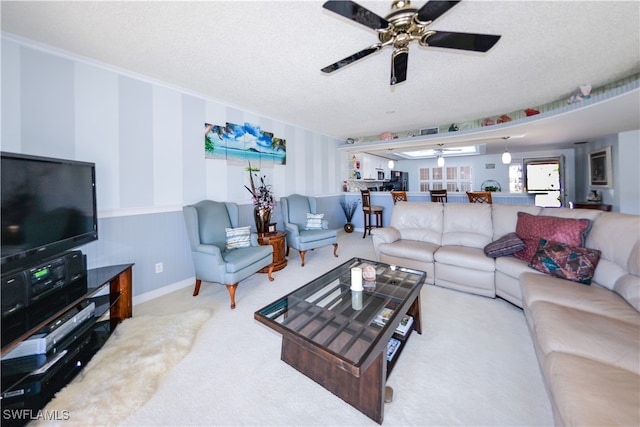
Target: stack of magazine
(392,348)
(403,329)
(405,325)
(385,314)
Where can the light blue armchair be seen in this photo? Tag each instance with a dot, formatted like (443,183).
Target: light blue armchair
(294,212)
(206,223)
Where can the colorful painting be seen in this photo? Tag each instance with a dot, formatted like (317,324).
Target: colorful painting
(238,144)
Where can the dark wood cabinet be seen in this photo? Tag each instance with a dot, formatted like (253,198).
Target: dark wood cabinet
(88,310)
(591,205)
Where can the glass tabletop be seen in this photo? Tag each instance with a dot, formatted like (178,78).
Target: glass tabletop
(348,324)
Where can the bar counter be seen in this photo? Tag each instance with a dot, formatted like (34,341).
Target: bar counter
(383,198)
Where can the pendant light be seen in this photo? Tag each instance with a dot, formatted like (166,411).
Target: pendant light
(440,161)
(391,165)
(506,156)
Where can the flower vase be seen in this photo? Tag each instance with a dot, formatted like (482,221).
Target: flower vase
(262,217)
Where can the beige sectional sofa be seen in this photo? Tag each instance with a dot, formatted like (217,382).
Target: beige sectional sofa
(587,337)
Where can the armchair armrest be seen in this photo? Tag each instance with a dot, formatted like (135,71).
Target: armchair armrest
(254,239)
(292,228)
(212,250)
(386,234)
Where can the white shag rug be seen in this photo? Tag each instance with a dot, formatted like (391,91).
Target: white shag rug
(124,374)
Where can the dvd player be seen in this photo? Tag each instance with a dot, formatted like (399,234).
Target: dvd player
(54,332)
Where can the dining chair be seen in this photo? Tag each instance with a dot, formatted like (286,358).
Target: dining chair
(438,196)
(398,196)
(368,210)
(479,197)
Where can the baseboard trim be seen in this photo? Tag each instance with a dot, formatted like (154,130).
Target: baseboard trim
(156,293)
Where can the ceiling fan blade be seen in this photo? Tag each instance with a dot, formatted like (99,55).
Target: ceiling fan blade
(464,41)
(399,61)
(351,59)
(357,13)
(433,9)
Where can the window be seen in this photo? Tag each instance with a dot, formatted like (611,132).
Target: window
(515,178)
(451,178)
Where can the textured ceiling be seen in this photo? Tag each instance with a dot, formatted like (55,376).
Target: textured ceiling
(265,57)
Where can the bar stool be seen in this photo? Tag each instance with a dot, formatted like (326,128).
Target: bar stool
(438,196)
(367,209)
(398,196)
(480,197)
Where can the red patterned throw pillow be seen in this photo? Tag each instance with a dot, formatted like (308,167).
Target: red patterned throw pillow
(506,245)
(565,261)
(532,228)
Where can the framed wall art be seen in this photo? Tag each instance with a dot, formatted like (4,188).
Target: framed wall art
(600,168)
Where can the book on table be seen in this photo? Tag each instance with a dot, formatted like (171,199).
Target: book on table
(392,348)
(383,316)
(405,325)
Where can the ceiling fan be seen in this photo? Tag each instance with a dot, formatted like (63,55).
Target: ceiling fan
(400,27)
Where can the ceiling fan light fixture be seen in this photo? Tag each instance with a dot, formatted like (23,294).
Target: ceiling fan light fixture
(400,27)
(391,164)
(440,161)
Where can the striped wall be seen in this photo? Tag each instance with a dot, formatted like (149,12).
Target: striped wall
(147,140)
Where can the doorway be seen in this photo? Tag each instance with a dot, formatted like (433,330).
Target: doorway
(545,178)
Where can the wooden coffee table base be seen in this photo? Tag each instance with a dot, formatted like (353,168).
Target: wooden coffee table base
(365,393)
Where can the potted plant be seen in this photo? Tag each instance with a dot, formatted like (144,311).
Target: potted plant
(349,209)
(263,201)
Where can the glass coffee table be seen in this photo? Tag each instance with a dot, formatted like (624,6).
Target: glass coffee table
(340,338)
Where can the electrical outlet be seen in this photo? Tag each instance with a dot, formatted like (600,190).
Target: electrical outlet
(159,267)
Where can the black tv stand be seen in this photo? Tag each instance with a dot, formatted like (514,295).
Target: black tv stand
(30,382)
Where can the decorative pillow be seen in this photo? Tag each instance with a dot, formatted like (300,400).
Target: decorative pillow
(238,237)
(532,228)
(565,261)
(314,221)
(506,245)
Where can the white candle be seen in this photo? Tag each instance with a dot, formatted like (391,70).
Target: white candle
(356,279)
(356,300)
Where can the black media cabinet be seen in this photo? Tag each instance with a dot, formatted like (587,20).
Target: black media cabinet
(29,382)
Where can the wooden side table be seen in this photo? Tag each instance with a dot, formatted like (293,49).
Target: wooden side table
(279,243)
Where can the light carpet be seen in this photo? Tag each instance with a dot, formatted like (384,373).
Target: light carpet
(474,363)
(127,371)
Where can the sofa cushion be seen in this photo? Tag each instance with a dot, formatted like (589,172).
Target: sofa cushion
(628,287)
(467,224)
(505,245)
(532,228)
(564,329)
(593,299)
(587,392)
(505,217)
(565,261)
(465,257)
(513,267)
(617,236)
(418,221)
(307,236)
(410,249)
(238,259)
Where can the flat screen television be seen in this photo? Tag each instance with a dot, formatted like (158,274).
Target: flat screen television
(48,207)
